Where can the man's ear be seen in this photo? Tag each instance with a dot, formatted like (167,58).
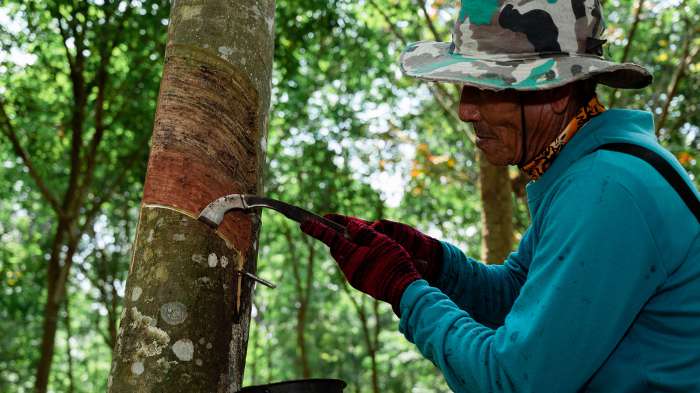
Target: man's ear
(561,98)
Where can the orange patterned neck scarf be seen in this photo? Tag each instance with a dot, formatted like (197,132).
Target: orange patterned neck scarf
(535,168)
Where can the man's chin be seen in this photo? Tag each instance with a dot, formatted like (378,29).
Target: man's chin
(493,156)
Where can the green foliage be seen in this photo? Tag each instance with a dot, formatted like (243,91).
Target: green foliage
(667,40)
(347,134)
(59,82)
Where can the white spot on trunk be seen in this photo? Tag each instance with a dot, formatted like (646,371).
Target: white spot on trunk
(137,368)
(136,293)
(190,11)
(165,365)
(270,23)
(208,345)
(150,236)
(178,237)
(225,51)
(173,313)
(183,349)
(198,259)
(161,273)
(213,260)
(201,340)
(224,261)
(198,362)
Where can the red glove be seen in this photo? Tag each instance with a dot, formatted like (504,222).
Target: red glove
(370,261)
(425,250)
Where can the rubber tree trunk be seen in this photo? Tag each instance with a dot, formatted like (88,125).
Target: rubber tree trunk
(497,211)
(179,331)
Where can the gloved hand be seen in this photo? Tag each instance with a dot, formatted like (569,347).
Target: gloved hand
(370,261)
(425,250)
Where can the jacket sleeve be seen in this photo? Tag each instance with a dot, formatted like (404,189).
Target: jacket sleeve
(487,292)
(594,267)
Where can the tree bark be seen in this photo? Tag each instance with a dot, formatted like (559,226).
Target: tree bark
(180,331)
(497,211)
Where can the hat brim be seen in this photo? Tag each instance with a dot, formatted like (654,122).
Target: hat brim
(434,61)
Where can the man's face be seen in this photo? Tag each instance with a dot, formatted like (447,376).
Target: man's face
(496,119)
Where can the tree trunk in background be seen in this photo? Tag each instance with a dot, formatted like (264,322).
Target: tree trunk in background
(179,331)
(497,211)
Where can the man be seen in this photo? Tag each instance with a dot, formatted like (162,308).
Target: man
(603,293)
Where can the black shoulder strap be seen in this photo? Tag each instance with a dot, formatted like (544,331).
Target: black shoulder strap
(664,168)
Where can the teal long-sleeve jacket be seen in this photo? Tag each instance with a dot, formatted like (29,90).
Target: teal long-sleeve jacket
(602,295)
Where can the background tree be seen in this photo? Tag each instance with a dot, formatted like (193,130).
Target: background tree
(57,116)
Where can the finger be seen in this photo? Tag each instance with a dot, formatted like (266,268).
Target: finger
(344,220)
(335,240)
(320,231)
(421,265)
(361,233)
(400,232)
(339,218)
(389,227)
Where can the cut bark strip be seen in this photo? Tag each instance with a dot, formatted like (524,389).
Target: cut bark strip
(205,142)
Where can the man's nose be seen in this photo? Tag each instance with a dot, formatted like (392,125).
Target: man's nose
(468,112)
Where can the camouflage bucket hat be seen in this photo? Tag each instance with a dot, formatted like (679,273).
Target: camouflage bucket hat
(522,45)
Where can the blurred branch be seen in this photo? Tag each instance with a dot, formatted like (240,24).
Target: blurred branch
(60,288)
(431,25)
(69,355)
(309,268)
(389,23)
(91,154)
(65,37)
(438,91)
(124,166)
(628,46)
(107,45)
(108,301)
(687,57)
(303,298)
(100,81)
(41,54)
(295,261)
(366,333)
(633,30)
(77,65)
(9,131)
